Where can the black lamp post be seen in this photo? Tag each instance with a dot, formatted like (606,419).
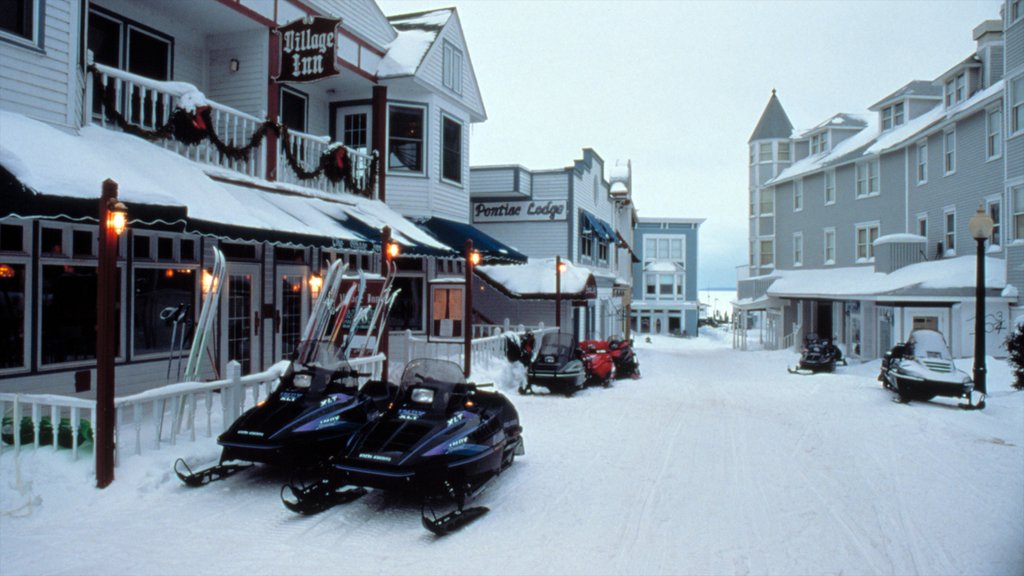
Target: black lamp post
(559,268)
(980,227)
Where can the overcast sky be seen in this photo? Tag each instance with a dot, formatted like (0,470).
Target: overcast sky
(677,87)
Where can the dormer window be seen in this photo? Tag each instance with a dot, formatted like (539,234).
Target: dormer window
(892,116)
(956,89)
(819,143)
(452,68)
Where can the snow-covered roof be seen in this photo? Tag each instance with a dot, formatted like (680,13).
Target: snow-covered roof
(895,238)
(537,277)
(950,273)
(149,174)
(618,173)
(834,155)
(416,34)
(842,120)
(914,89)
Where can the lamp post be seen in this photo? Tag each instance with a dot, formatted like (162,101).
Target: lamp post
(980,227)
(472,259)
(388,252)
(113,221)
(559,268)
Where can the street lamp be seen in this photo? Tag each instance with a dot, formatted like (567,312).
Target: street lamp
(388,252)
(113,219)
(559,269)
(980,227)
(472,259)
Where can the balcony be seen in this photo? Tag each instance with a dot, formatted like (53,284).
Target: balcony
(178,117)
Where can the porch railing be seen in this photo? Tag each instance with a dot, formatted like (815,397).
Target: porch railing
(150,104)
(485,350)
(158,417)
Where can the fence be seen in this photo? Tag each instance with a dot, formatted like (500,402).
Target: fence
(164,412)
(485,349)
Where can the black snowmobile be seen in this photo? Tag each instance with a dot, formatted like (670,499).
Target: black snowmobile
(557,366)
(313,412)
(923,368)
(818,355)
(627,365)
(441,439)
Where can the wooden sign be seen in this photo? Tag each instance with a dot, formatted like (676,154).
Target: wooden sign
(307,48)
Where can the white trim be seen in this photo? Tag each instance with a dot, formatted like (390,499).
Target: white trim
(830,173)
(798,241)
(869,252)
(798,195)
(424,140)
(946,170)
(462,146)
(947,232)
(922,145)
(826,232)
(922,217)
(998,140)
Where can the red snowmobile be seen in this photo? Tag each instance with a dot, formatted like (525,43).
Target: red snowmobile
(598,362)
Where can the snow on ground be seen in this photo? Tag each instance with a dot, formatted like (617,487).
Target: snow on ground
(715,462)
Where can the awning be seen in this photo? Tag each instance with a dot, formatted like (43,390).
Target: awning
(535,280)
(454,235)
(600,228)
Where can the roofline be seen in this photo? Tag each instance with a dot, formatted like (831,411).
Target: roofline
(653,220)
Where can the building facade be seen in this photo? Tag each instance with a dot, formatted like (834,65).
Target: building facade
(858,226)
(574,213)
(665,299)
(301,173)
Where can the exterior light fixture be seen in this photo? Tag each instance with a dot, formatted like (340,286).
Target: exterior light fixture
(117,216)
(474,257)
(316,282)
(207,281)
(234,64)
(392,250)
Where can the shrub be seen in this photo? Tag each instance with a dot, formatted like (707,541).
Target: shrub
(1015,345)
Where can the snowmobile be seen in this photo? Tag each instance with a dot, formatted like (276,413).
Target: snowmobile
(598,362)
(923,368)
(627,365)
(557,366)
(818,355)
(441,439)
(520,348)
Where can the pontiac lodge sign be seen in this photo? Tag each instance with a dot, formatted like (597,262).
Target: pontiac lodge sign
(307,49)
(519,211)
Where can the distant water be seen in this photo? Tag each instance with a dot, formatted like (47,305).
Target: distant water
(718,299)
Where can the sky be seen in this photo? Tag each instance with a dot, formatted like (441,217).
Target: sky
(677,87)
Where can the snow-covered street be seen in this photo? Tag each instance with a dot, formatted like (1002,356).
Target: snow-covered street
(715,462)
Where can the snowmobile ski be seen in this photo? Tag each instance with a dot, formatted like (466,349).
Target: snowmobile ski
(219,471)
(452,521)
(319,496)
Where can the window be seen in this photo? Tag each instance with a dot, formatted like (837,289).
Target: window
(798,195)
(677,249)
(156,290)
(1017,196)
(949,151)
(830,246)
(994,148)
(784,155)
(452,68)
(798,249)
(407,311)
(819,143)
(12,238)
(405,139)
(830,186)
(293,109)
(956,89)
(1017,105)
(767,202)
(602,251)
(1016,10)
(767,252)
(446,312)
(866,234)
(949,93)
(867,178)
(650,284)
(586,242)
(922,225)
(451,156)
(766,152)
(354,132)
(961,87)
(753,154)
(68,328)
(949,233)
(12,313)
(19,17)
(892,116)
(994,212)
(922,162)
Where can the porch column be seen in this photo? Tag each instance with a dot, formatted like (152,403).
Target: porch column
(273,106)
(380,134)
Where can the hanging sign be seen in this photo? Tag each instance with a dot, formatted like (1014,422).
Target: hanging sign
(519,211)
(307,48)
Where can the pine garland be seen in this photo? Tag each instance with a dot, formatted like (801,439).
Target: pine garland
(191,129)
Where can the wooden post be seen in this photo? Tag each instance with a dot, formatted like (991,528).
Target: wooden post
(558,293)
(379,110)
(467,314)
(273,107)
(106,337)
(384,334)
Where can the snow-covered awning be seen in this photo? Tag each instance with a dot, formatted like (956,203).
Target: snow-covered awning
(163,188)
(599,227)
(454,235)
(535,280)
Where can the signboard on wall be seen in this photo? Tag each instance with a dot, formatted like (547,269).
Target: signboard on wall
(526,211)
(307,48)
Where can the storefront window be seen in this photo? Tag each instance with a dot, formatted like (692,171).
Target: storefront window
(158,292)
(407,312)
(69,314)
(446,313)
(291,314)
(12,315)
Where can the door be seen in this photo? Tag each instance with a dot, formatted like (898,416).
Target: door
(239,339)
(292,309)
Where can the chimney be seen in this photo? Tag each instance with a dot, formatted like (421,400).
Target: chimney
(989,36)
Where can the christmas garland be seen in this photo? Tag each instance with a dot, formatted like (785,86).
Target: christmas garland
(191,128)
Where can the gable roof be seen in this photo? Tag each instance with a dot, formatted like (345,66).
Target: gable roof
(913,89)
(417,32)
(774,122)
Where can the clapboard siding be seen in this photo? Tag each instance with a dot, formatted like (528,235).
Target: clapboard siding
(246,89)
(36,83)
(497,181)
(431,69)
(544,240)
(361,17)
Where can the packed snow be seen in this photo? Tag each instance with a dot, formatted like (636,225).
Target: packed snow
(714,462)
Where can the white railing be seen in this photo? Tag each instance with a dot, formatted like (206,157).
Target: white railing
(149,104)
(790,341)
(307,150)
(484,350)
(157,417)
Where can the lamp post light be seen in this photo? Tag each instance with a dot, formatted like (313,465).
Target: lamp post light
(980,227)
(113,219)
(559,269)
(388,252)
(472,259)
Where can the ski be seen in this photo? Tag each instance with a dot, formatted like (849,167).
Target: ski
(319,496)
(219,471)
(320,315)
(452,521)
(206,317)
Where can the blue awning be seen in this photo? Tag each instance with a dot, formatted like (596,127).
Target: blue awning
(454,235)
(600,228)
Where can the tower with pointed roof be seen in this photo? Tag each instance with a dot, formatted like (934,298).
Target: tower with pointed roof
(771,151)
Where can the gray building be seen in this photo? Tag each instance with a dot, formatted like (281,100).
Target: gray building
(665,280)
(858,226)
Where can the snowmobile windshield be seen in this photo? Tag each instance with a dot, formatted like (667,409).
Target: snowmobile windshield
(928,344)
(320,353)
(560,346)
(430,372)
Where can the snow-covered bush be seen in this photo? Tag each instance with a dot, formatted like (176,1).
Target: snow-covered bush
(1015,345)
